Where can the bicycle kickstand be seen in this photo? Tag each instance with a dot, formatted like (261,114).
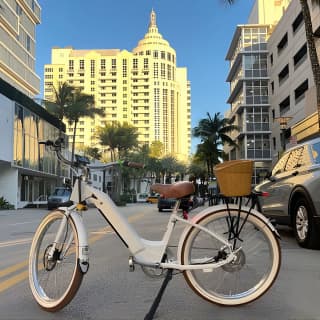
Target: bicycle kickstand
(156,302)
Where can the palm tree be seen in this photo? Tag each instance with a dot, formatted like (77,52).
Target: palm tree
(213,132)
(310,36)
(80,105)
(118,138)
(62,98)
(92,152)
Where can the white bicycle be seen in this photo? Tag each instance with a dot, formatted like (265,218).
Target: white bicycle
(229,254)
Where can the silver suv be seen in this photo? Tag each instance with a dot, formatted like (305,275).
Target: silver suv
(294,188)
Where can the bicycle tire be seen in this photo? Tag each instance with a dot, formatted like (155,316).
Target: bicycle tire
(54,283)
(241,281)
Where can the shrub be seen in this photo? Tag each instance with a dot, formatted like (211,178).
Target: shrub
(5,205)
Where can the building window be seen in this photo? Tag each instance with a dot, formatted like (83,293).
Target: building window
(71,64)
(28,43)
(300,56)
(272,87)
(283,43)
(113,64)
(135,63)
(145,63)
(257,92)
(299,92)
(155,70)
(258,146)
(271,59)
(297,23)
(103,64)
(284,106)
(284,74)
(81,64)
(163,71)
(257,119)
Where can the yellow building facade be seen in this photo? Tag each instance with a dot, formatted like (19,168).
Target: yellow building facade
(144,88)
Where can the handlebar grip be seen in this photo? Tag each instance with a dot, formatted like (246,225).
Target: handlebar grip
(134,164)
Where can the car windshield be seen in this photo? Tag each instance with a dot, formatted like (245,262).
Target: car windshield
(61,192)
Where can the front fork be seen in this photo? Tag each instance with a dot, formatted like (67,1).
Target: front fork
(83,247)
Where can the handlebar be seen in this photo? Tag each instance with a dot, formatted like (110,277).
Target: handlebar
(83,161)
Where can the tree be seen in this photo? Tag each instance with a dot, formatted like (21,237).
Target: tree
(80,105)
(118,138)
(213,132)
(62,98)
(92,152)
(156,149)
(311,43)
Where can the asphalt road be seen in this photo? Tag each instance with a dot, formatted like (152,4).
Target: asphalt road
(110,291)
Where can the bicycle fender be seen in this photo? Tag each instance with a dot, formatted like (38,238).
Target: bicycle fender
(83,242)
(211,210)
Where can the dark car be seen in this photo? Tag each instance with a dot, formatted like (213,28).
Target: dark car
(293,186)
(60,198)
(169,203)
(166,203)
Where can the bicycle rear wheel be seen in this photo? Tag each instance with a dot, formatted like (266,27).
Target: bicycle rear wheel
(246,278)
(54,282)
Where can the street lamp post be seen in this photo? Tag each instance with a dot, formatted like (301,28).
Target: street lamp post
(283,121)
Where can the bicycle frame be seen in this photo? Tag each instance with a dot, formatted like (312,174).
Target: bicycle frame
(144,252)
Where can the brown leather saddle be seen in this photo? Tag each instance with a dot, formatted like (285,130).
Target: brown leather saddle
(176,190)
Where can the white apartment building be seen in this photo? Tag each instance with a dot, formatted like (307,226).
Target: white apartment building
(143,87)
(18,20)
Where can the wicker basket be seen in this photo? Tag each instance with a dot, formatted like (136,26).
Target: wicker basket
(234,177)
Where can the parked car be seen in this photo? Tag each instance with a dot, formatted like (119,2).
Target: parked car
(169,203)
(59,198)
(153,198)
(166,203)
(142,197)
(293,186)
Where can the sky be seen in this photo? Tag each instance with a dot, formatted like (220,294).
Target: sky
(199,30)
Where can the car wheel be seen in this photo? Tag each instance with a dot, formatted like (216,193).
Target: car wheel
(305,230)
(160,210)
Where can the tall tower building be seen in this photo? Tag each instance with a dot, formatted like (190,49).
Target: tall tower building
(144,88)
(18,20)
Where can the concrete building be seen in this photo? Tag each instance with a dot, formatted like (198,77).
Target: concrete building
(144,88)
(18,20)
(270,77)
(291,86)
(28,171)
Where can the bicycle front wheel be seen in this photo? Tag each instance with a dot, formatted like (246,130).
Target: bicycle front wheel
(54,281)
(243,280)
